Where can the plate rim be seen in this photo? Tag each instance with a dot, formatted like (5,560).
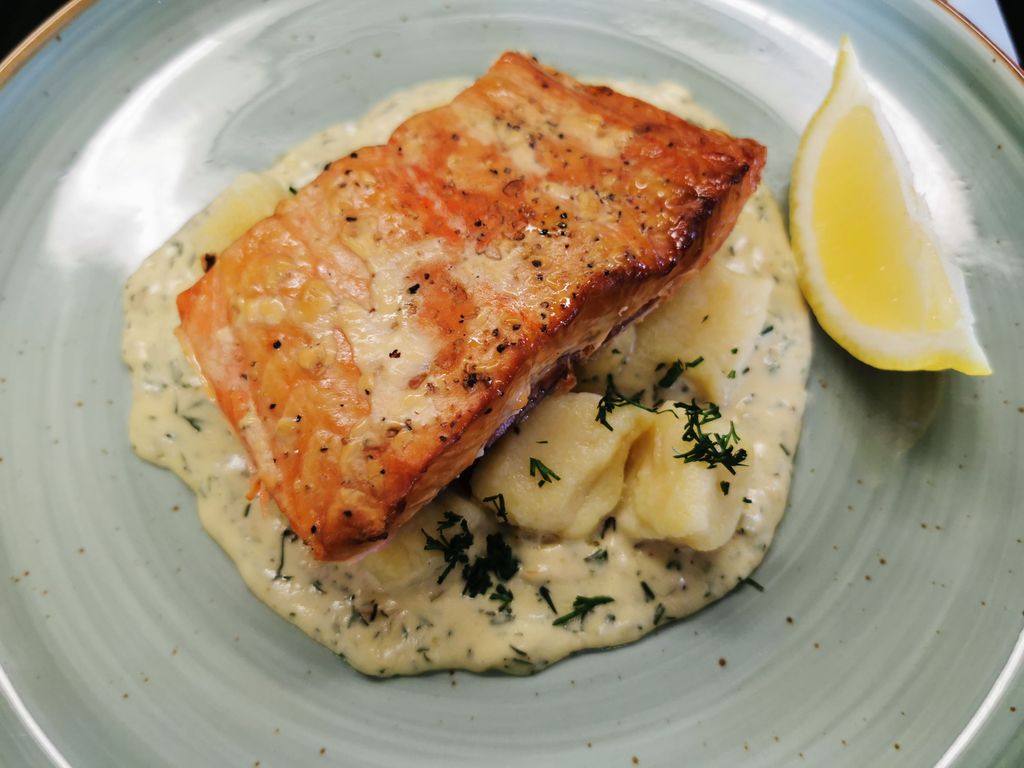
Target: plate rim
(57,22)
(53,25)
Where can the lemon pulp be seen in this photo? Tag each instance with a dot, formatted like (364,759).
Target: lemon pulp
(860,221)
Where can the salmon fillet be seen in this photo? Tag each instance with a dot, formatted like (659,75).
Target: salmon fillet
(371,337)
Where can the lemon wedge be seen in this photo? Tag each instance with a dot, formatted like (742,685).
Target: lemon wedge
(867,262)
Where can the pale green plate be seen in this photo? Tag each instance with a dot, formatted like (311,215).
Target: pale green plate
(889,629)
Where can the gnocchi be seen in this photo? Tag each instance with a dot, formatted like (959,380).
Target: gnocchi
(586,462)
(723,311)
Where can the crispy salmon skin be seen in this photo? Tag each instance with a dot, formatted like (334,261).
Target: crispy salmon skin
(371,337)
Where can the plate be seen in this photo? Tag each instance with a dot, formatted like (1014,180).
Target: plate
(889,631)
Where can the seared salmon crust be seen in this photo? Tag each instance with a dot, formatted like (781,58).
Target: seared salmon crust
(370,338)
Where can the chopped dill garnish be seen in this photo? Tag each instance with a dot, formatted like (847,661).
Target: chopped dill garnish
(547,474)
(453,549)
(582,606)
(724,485)
(752,583)
(731,374)
(609,525)
(503,595)
(291,536)
(676,370)
(477,578)
(613,399)
(712,448)
(785,450)
(659,614)
(499,560)
(648,592)
(450,520)
(545,595)
(599,555)
(498,502)
(767,329)
(363,614)
(671,375)
(195,423)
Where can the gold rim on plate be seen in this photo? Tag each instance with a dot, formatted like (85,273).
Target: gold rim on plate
(68,12)
(39,37)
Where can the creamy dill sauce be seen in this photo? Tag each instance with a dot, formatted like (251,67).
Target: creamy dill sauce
(386,614)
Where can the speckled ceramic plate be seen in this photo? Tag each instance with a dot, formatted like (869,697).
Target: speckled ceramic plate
(889,631)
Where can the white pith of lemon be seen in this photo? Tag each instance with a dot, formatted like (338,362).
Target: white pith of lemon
(868,264)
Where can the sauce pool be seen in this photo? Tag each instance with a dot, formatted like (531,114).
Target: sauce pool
(386,614)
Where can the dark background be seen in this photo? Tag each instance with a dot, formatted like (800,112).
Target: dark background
(22,16)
